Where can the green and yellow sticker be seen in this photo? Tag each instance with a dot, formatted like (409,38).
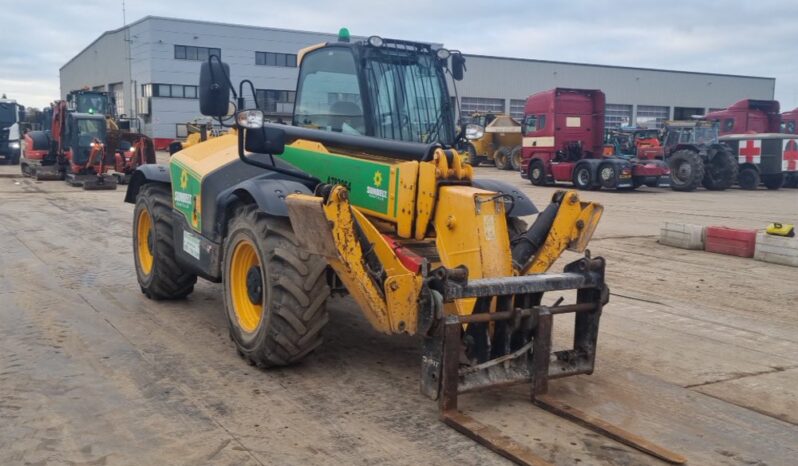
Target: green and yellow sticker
(186,189)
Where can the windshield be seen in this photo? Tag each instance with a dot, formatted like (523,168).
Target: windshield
(409,99)
(91,103)
(706,135)
(328,94)
(8,114)
(90,129)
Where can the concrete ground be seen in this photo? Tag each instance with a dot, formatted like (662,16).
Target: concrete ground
(697,351)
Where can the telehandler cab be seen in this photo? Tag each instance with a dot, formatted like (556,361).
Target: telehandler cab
(364,193)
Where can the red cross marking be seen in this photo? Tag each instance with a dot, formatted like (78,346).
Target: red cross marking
(751,152)
(789,158)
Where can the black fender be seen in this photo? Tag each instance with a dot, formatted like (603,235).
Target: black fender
(522,205)
(268,193)
(148,173)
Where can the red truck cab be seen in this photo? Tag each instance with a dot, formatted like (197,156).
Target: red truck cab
(747,117)
(563,140)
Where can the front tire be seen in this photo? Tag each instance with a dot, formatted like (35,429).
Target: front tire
(159,274)
(274,293)
(687,170)
(608,176)
(748,178)
(537,173)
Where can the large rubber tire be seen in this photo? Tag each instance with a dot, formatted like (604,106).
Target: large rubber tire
(515,158)
(537,173)
(502,159)
(163,277)
(720,173)
(687,170)
(608,176)
(748,178)
(773,182)
(582,177)
(293,290)
(473,158)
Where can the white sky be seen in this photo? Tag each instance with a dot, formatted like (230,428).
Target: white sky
(758,38)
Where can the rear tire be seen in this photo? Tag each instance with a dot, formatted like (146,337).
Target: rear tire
(515,158)
(275,299)
(582,177)
(720,172)
(748,178)
(159,274)
(773,182)
(687,170)
(608,176)
(537,173)
(502,159)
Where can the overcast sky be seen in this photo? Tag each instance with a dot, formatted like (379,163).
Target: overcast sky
(758,38)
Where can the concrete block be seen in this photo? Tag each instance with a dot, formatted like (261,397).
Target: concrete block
(682,235)
(776,249)
(730,241)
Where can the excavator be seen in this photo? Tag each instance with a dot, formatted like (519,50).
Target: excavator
(365,194)
(72,150)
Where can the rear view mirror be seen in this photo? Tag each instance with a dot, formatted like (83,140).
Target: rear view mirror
(265,140)
(214,88)
(458,66)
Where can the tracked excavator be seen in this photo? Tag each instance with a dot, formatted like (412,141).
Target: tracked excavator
(365,194)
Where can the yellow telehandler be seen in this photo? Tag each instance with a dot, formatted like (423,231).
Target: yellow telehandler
(364,193)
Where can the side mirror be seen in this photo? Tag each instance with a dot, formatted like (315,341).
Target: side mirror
(458,66)
(264,140)
(214,89)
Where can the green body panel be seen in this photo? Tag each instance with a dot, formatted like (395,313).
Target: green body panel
(367,180)
(185,193)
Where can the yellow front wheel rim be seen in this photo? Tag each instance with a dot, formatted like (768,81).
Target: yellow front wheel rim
(144,240)
(246,285)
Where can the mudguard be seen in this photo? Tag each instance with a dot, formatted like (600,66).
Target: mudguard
(522,205)
(268,193)
(149,173)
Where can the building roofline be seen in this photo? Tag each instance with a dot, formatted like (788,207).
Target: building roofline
(597,65)
(532,60)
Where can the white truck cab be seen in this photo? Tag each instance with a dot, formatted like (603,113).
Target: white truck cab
(11,113)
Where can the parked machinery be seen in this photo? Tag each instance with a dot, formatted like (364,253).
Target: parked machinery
(789,125)
(125,147)
(197,131)
(767,158)
(563,140)
(696,157)
(72,150)
(11,114)
(375,202)
(494,137)
(747,116)
(626,142)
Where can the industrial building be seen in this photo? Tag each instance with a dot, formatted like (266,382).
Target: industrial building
(152,68)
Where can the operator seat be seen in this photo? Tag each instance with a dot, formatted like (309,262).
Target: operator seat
(343,111)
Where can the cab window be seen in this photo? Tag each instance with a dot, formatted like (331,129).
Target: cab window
(728,124)
(328,95)
(534,123)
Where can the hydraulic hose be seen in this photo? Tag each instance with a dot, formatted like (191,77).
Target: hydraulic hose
(527,244)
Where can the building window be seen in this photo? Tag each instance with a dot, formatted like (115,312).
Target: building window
(617,115)
(275,101)
(652,116)
(517,108)
(471,105)
(190,52)
(275,59)
(179,91)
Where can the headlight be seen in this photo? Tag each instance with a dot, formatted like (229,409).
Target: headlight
(14,145)
(251,119)
(474,132)
(375,41)
(443,54)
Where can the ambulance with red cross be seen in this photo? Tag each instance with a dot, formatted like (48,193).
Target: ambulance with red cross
(767,158)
